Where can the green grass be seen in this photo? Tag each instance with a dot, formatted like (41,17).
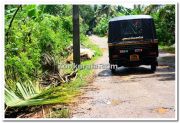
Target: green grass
(168,49)
(65,93)
(59,113)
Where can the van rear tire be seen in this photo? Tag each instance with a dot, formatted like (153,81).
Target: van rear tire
(113,70)
(153,68)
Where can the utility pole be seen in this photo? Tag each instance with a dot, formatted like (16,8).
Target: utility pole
(76,42)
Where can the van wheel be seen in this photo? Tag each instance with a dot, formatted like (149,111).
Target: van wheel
(153,67)
(113,70)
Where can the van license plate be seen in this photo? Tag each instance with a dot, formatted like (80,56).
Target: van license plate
(134,57)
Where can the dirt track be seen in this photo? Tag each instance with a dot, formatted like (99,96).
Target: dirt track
(131,92)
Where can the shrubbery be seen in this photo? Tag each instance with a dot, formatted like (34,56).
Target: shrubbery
(32,34)
(102,26)
(36,40)
(165,24)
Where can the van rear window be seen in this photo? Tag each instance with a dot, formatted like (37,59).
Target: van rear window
(134,29)
(131,29)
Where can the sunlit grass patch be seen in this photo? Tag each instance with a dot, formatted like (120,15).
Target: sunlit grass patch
(168,49)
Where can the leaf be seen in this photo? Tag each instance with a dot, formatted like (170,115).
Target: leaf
(25,97)
(32,13)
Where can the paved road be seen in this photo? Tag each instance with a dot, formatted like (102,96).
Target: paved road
(131,92)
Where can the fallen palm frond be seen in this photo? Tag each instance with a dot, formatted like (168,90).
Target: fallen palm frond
(25,95)
(28,95)
(57,79)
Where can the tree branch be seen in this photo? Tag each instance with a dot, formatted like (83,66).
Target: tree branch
(10,24)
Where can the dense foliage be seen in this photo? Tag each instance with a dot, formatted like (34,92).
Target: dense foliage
(34,36)
(164,16)
(165,24)
(33,33)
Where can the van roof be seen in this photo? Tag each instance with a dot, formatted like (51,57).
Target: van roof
(130,17)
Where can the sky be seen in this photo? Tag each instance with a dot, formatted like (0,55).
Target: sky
(130,6)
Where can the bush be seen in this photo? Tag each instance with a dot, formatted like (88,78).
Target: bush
(32,34)
(102,26)
(165,24)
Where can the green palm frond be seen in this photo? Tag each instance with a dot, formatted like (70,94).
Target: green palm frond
(24,96)
(151,8)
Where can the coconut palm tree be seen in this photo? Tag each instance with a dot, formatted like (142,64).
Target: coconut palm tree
(137,9)
(151,8)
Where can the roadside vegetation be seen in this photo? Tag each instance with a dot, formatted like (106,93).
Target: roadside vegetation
(163,15)
(37,38)
(169,49)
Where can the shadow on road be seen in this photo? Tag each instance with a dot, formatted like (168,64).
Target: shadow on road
(123,71)
(165,71)
(162,74)
(162,77)
(167,60)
